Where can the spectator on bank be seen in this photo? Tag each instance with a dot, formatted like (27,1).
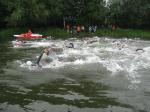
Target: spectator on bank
(82,28)
(78,29)
(68,28)
(113,28)
(74,31)
(90,28)
(95,28)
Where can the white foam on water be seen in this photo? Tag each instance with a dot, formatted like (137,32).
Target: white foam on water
(40,44)
(112,66)
(17,44)
(79,62)
(147,49)
(24,65)
(146,54)
(29,63)
(115,55)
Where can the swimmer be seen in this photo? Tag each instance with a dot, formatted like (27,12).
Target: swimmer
(43,58)
(71,45)
(139,50)
(91,41)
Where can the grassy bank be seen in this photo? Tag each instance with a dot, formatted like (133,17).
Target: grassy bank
(128,33)
(7,34)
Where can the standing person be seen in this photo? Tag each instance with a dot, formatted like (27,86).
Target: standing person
(78,29)
(90,29)
(113,28)
(82,28)
(68,28)
(95,28)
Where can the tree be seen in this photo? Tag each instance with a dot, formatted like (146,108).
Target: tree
(3,14)
(94,11)
(25,13)
(129,13)
(85,11)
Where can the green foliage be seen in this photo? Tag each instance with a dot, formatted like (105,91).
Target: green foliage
(130,13)
(47,12)
(23,12)
(35,13)
(3,13)
(95,11)
(7,34)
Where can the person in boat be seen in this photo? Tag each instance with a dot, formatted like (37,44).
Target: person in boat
(29,32)
(28,35)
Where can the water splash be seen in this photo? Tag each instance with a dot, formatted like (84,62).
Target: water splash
(116,55)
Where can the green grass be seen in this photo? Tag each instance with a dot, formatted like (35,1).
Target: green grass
(7,34)
(54,32)
(128,33)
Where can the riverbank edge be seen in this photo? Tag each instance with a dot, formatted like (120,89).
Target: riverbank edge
(7,34)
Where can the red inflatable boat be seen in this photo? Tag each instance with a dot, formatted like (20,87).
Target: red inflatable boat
(28,36)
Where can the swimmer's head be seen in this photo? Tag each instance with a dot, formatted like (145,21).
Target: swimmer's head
(46,50)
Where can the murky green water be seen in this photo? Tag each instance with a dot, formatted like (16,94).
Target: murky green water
(74,88)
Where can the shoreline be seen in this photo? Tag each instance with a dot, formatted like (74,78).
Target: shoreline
(59,33)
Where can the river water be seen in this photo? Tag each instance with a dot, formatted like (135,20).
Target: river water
(97,75)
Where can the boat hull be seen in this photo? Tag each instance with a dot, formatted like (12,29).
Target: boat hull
(28,37)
